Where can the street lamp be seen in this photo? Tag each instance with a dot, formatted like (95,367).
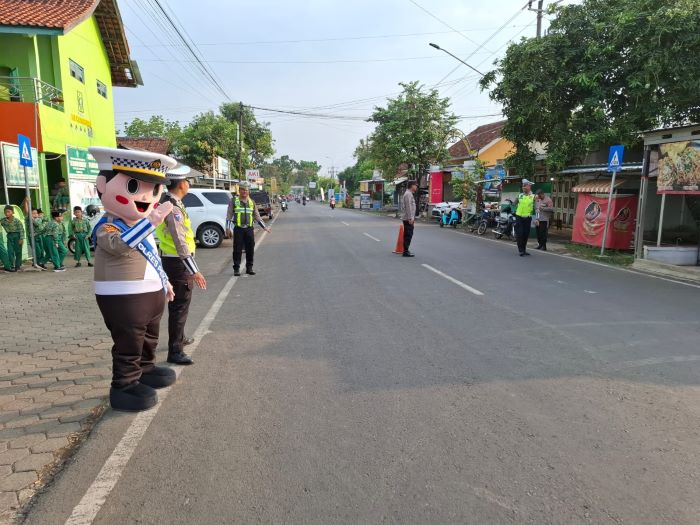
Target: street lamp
(456,58)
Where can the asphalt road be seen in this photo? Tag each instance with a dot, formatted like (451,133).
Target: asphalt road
(345,384)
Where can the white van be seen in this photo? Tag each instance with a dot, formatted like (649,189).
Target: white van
(207,210)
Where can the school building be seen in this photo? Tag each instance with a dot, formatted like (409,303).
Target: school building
(58,66)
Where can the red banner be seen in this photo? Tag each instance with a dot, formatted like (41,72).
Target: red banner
(436,187)
(589,222)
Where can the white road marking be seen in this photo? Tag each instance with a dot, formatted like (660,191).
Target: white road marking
(453,280)
(368,235)
(345,223)
(590,291)
(587,261)
(92,501)
(561,282)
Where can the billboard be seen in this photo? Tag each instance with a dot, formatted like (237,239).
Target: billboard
(252,175)
(80,163)
(679,168)
(13,172)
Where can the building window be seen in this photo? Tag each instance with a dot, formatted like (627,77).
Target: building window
(76,71)
(102,89)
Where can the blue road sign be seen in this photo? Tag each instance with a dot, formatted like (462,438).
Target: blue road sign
(615,158)
(25,151)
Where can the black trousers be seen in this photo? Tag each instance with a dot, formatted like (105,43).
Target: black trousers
(178,308)
(522,231)
(134,323)
(243,238)
(542,229)
(407,235)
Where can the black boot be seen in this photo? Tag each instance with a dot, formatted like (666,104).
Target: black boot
(180,358)
(250,271)
(158,377)
(236,271)
(133,398)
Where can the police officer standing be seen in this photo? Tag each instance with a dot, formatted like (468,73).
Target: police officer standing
(178,246)
(525,209)
(242,210)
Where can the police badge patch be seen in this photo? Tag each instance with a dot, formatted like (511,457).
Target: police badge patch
(178,216)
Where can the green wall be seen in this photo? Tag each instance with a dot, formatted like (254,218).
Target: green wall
(84,45)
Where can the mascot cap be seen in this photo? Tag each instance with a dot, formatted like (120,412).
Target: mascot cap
(142,165)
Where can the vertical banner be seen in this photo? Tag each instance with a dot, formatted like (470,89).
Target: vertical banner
(436,187)
(589,221)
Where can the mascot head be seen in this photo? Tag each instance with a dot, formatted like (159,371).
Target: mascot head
(130,182)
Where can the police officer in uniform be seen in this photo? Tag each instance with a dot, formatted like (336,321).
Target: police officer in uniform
(177,247)
(242,211)
(525,209)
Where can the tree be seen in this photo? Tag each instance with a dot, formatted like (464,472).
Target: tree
(256,136)
(155,127)
(206,136)
(606,70)
(465,187)
(413,128)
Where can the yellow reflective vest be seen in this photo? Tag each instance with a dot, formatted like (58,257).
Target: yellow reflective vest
(167,243)
(526,205)
(241,209)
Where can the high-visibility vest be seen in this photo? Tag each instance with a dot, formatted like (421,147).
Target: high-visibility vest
(167,243)
(526,205)
(242,208)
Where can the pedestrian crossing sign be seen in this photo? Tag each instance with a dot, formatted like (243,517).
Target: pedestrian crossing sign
(615,158)
(25,151)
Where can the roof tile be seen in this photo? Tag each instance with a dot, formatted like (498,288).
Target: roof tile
(477,139)
(51,14)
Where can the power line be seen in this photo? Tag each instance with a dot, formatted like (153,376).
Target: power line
(207,72)
(442,21)
(334,61)
(333,39)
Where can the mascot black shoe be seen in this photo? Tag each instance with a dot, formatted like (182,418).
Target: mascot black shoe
(158,377)
(133,398)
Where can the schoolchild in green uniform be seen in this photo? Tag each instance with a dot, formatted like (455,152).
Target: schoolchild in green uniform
(81,231)
(38,222)
(15,238)
(54,241)
(6,266)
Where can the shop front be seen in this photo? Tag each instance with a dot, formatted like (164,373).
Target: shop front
(669,218)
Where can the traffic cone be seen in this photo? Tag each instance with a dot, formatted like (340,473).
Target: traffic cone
(399,242)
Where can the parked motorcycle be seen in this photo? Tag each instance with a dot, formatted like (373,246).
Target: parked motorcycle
(283,205)
(505,225)
(480,222)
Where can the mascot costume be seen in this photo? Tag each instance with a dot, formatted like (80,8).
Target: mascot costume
(130,285)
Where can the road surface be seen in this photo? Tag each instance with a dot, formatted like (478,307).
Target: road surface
(346,384)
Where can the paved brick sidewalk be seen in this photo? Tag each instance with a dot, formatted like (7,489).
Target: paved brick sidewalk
(55,369)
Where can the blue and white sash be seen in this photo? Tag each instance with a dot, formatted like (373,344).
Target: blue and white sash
(136,237)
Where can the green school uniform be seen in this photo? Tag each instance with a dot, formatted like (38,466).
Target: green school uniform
(81,230)
(15,233)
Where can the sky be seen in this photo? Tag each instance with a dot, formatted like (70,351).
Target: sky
(321,56)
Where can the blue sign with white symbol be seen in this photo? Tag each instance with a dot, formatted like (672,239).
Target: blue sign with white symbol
(25,151)
(615,158)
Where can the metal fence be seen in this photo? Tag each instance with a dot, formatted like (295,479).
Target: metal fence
(28,89)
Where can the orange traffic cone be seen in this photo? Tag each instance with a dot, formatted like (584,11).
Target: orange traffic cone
(399,241)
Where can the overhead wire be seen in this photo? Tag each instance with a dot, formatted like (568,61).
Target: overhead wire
(442,21)
(208,74)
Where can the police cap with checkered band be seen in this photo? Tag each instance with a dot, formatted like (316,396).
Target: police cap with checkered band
(141,165)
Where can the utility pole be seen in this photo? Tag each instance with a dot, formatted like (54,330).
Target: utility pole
(240,142)
(540,12)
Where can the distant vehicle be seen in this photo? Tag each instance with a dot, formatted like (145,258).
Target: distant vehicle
(262,199)
(438,209)
(207,210)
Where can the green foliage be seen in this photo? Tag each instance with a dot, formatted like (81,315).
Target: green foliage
(291,172)
(257,137)
(465,187)
(206,136)
(606,70)
(413,128)
(154,127)
(211,134)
